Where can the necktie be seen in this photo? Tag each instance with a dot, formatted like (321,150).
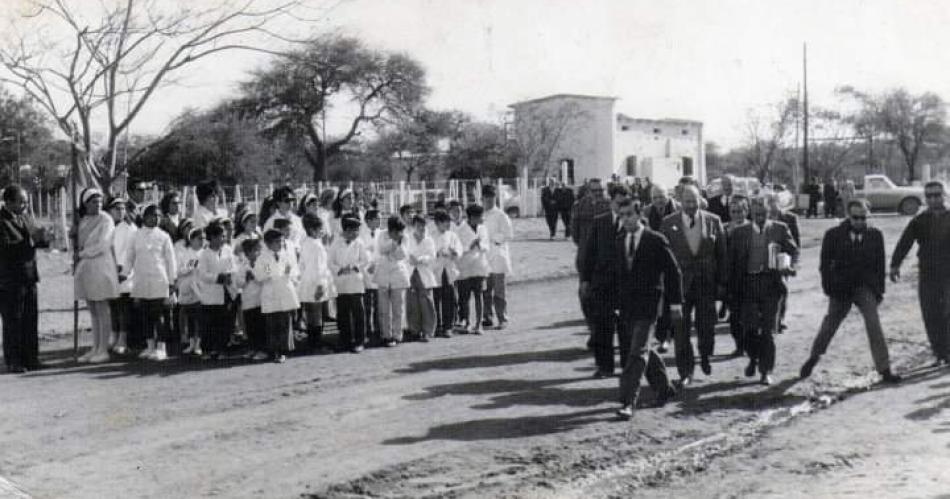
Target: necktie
(692,221)
(631,248)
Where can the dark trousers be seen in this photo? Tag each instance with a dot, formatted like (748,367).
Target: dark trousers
(605,323)
(256,329)
(782,305)
(829,208)
(566,219)
(760,301)
(698,308)
(313,315)
(350,317)
(136,340)
(152,320)
(18,310)
(445,307)
(371,316)
(641,359)
(838,309)
(216,327)
(550,216)
(664,323)
(934,297)
(812,207)
(280,332)
(735,324)
(121,311)
(496,300)
(469,288)
(189,317)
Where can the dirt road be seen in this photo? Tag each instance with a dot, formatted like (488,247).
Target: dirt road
(512,412)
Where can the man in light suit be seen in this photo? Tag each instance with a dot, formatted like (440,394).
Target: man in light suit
(645,269)
(761,284)
(698,243)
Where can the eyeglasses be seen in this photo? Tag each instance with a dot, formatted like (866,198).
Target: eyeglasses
(859,218)
(934,195)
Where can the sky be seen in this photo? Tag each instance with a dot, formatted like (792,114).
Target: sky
(705,61)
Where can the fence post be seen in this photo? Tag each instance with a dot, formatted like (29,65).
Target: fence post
(464,195)
(257,197)
(194,201)
(425,202)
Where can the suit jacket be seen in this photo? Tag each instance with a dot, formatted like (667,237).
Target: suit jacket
(17,251)
(564,198)
(654,274)
(547,199)
(598,260)
(791,220)
(708,265)
(719,208)
(740,241)
(655,217)
(846,265)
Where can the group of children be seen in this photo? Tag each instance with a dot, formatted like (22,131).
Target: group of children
(280,273)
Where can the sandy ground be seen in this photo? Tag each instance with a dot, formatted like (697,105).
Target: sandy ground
(512,413)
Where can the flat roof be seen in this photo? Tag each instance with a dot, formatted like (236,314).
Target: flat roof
(674,121)
(562,96)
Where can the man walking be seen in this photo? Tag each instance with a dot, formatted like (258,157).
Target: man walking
(592,204)
(931,231)
(791,220)
(754,250)
(549,204)
(599,282)
(719,204)
(852,272)
(564,202)
(19,238)
(660,206)
(830,195)
(645,260)
(699,245)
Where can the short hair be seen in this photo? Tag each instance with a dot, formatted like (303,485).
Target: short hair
(406,208)
(272,236)
(395,223)
(489,191)
(932,183)
(455,203)
(250,244)
(614,190)
(740,199)
(311,222)
(659,187)
(441,216)
(193,233)
(11,191)
(474,210)
(628,202)
(151,209)
(283,194)
(206,189)
(214,229)
(281,223)
(863,203)
(758,201)
(693,188)
(166,201)
(688,180)
(350,222)
(371,215)
(418,219)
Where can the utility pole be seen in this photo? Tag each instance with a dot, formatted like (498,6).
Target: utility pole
(805,112)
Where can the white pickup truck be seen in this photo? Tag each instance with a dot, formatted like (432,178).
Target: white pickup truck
(885,195)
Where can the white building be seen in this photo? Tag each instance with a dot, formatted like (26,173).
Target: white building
(581,136)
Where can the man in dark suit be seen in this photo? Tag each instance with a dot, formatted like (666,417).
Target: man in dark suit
(599,282)
(564,203)
(19,239)
(930,229)
(719,204)
(852,272)
(659,207)
(550,206)
(645,269)
(830,195)
(699,245)
(759,283)
(791,220)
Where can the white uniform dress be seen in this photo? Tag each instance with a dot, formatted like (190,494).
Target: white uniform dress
(500,233)
(151,258)
(122,240)
(96,278)
(314,272)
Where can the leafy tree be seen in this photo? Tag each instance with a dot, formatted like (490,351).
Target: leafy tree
(482,150)
(332,74)
(23,133)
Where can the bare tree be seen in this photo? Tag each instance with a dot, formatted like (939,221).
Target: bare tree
(767,135)
(92,66)
(539,130)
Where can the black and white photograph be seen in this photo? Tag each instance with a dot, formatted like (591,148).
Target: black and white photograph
(326,249)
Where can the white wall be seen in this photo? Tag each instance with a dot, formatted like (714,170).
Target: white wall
(660,139)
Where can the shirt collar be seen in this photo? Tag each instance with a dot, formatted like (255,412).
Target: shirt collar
(765,226)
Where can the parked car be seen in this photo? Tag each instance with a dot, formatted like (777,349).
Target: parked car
(747,186)
(884,195)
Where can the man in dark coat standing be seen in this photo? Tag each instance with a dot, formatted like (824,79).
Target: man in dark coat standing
(758,282)
(719,204)
(645,269)
(830,195)
(19,239)
(852,272)
(549,204)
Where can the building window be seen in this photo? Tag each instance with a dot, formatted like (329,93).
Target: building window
(567,171)
(631,166)
(687,165)
(624,128)
(657,130)
(684,131)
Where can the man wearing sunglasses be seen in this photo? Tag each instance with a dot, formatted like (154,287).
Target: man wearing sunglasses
(852,272)
(931,231)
